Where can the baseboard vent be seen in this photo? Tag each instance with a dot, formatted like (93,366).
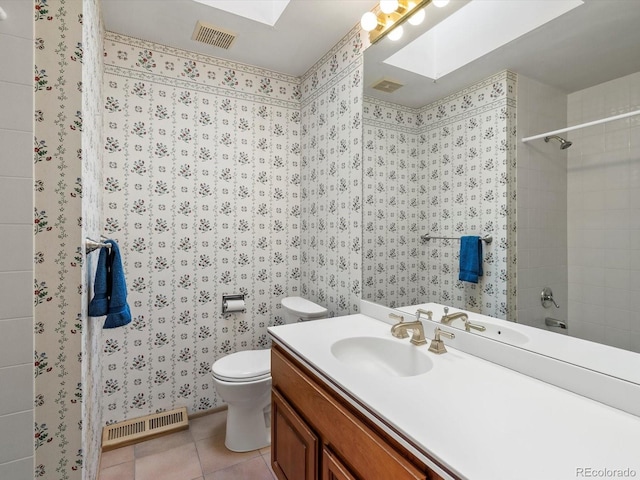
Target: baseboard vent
(143,428)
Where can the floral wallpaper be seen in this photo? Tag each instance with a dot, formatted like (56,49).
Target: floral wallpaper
(331,178)
(65,88)
(464,184)
(391,194)
(469,143)
(512,200)
(202,193)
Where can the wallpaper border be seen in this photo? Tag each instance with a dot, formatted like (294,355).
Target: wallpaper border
(198,87)
(200,57)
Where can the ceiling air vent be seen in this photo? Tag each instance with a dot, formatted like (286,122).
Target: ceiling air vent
(386,85)
(212,35)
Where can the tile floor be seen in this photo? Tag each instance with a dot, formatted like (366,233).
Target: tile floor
(195,454)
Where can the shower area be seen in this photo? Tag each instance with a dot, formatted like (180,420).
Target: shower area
(578,210)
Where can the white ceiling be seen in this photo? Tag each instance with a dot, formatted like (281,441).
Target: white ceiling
(593,43)
(306,30)
(473,31)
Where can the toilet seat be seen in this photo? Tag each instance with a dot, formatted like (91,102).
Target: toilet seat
(245,366)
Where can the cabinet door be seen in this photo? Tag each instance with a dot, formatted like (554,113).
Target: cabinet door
(369,454)
(332,468)
(294,446)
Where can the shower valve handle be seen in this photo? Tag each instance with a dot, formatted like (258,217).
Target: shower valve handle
(546,297)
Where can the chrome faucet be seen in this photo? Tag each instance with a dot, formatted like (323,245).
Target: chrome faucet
(447,319)
(399,330)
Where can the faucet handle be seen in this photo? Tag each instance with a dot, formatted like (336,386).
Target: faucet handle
(428,313)
(437,345)
(395,316)
(446,311)
(444,333)
(475,326)
(547,296)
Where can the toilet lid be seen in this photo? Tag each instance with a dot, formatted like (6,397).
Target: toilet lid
(303,307)
(242,366)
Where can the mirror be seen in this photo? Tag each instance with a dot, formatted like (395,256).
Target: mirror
(428,149)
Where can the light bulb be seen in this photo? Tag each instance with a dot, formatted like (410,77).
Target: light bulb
(369,21)
(440,3)
(417,18)
(388,6)
(395,34)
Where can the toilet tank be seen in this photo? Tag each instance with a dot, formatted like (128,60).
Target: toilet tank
(298,309)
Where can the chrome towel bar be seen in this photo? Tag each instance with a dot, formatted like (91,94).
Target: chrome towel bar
(426,237)
(90,245)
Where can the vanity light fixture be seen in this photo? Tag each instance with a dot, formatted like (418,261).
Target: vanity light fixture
(388,17)
(389,6)
(396,33)
(417,18)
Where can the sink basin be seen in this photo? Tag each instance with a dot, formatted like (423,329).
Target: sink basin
(377,356)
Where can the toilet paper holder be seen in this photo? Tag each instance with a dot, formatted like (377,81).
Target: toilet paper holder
(233,303)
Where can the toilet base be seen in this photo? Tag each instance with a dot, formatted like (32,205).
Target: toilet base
(247,429)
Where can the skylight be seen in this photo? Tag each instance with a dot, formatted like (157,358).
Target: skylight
(476,29)
(263,11)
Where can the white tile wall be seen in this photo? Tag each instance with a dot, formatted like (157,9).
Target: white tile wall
(16,240)
(16,196)
(12,239)
(17,150)
(12,53)
(22,468)
(16,295)
(16,441)
(542,203)
(604,215)
(19,22)
(13,98)
(16,333)
(18,397)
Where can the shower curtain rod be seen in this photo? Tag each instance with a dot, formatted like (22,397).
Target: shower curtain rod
(582,125)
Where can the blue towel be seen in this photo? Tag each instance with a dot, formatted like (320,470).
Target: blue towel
(99,305)
(470,259)
(110,289)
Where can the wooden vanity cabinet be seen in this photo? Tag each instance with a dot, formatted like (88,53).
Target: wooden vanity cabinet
(316,434)
(332,468)
(294,446)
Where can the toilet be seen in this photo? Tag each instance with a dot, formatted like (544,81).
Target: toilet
(243,381)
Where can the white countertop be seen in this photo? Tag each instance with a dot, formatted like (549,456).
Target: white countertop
(479,419)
